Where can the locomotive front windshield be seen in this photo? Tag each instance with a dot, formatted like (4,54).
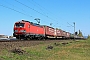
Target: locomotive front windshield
(19,24)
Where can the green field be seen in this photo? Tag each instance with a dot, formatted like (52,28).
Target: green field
(75,50)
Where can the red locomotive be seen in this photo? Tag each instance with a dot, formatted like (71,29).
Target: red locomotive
(29,30)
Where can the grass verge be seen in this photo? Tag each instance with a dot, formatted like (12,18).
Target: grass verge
(75,50)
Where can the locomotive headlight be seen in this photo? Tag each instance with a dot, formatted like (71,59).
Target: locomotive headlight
(22,31)
(15,30)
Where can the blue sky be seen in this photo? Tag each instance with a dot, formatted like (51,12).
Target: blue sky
(57,12)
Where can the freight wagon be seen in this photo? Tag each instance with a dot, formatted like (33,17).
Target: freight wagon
(59,33)
(49,32)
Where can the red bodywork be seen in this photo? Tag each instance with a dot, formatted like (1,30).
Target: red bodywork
(36,29)
(68,34)
(28,29)
(59,33)
(64,34)
(18,29)
(49,31)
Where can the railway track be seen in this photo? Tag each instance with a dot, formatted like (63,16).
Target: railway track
(39,40)
(10,44)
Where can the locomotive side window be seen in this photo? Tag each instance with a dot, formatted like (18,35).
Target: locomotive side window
(19,24)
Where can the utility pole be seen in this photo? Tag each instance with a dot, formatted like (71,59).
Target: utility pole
(74,30)
(38,20)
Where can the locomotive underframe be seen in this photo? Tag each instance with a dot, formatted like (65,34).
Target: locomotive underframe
(29,36)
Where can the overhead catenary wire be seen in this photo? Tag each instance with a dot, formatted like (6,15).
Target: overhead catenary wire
(33,9)
(44,9)
(37,6)
(29,7)
(15,10)
(18,8)
(23,10)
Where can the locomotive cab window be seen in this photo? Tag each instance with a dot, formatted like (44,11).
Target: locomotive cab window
(19,24)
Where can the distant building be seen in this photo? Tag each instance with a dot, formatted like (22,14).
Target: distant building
(3,36)
(10,37)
